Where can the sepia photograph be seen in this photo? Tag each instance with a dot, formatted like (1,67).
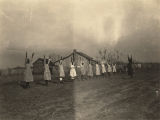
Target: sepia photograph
(79,59)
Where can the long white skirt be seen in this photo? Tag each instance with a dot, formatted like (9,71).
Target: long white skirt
(73,72)
(61,71)
(114,70)
(47,75)
(103,69)
(97,70)
(109,69)
(28,77)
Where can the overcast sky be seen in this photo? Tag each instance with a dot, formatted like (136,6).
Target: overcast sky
(132,26)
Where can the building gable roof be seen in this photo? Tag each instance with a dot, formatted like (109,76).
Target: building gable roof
(84,55)
(74,51)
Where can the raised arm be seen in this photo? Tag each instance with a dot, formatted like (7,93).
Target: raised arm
(49,60)
(32,57)
(107,63)
(25,59)
(44,61)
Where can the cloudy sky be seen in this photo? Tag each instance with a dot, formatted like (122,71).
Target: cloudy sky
(46,26)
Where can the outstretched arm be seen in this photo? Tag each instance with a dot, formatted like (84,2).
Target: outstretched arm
(44,61)
(49,60)
(32,54)
(25,59)
(107,63)
(32,57)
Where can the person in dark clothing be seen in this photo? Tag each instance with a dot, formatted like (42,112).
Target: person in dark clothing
(129,66)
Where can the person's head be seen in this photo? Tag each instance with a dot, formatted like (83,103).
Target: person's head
(82,63)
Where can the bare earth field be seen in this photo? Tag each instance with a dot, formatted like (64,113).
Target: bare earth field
(116,98)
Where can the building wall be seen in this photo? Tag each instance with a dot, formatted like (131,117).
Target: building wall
(38,67)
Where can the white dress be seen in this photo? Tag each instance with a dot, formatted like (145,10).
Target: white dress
(97,70)
(73,71)
(109,68)
(28,77)
(114,69)
(47,73)
(61,71)
(103,68)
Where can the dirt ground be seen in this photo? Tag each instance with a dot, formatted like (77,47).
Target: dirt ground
(112,98)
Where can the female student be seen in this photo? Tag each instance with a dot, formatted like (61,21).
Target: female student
(103,68)
(97,70)
(114,68)
(61,70)
(47,73)
(28,76)
(72,71)
(109,68)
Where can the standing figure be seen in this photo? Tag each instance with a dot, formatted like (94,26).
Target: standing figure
(97,70)
(114,68)
(83,71)
(109,68)
(72,71)
(47,73)
(61,70)
(129,66)
(28,76)
(103,68)
(90,70)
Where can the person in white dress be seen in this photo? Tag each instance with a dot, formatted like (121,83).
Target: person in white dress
(103,68)
(97,70)
(114,68)
(61,70)
(109,68)
(28,76)
(47,73)
(72,71)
